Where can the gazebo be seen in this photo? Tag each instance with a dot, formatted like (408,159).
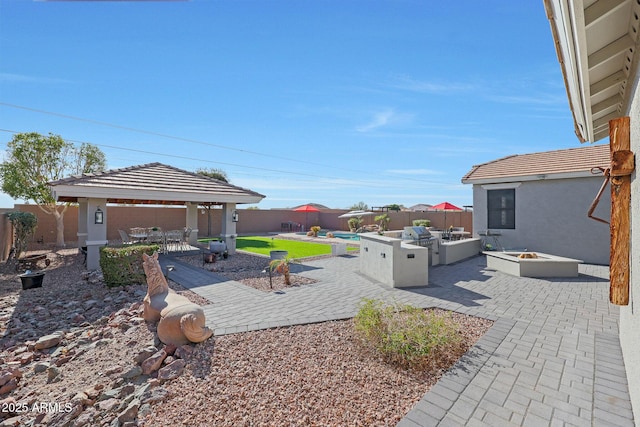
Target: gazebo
(153,183)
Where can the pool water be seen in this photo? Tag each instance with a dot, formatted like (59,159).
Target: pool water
(338,234)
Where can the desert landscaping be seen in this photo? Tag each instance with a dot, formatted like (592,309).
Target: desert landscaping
(75,352)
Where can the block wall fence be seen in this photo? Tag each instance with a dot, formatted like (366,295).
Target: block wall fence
(252,221)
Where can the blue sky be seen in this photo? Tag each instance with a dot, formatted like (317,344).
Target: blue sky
(331,102)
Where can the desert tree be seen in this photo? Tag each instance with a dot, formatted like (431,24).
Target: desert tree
(32,160)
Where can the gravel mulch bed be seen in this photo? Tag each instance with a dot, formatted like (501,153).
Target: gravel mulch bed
(251,270)
(304,375)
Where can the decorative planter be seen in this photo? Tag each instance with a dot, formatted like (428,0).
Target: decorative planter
(31,280)
(278,254)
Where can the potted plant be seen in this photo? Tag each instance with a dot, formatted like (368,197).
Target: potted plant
(355,223)
(24,225)
(383,222)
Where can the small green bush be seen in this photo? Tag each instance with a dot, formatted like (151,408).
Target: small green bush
(122,266)
(407,336)
(422,222)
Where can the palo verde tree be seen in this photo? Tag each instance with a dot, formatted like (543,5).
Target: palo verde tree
(360,206)
(32,160)
(220,175)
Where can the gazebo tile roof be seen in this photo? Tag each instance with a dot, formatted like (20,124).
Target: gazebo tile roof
(150,183)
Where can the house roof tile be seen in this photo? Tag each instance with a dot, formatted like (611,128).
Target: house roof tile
(559,163)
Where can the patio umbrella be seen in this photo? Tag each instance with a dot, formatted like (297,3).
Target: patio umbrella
(306,209)
(445,206)
(351,214)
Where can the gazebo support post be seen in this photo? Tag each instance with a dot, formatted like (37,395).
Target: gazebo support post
(192,222)
(229,227)
(96,233)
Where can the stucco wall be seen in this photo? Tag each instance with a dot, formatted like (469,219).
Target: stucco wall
(630,315)
(551,217)
(252,221)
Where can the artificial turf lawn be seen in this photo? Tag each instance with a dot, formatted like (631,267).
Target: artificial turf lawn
(296,248)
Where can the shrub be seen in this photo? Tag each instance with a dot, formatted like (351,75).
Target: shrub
(24,225)
(355,222)
(122,266)
(422,222)
(408,336)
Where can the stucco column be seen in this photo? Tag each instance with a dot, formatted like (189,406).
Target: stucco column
(82,222)
(192,222)
(229,227)
(96,233)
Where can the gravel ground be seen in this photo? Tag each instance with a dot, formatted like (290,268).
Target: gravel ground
(303,375)
(249,270)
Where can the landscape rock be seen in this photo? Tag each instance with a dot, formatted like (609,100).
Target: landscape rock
(172,370)
(154,362)
(48,341)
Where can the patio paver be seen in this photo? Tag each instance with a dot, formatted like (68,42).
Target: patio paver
(552,357)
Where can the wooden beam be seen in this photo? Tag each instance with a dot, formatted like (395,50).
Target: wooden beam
(622,164)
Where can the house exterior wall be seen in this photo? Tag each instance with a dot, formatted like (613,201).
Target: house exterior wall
(630,314)
(551,217)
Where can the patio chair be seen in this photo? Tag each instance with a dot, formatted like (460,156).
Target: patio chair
(173,239)
(186,234)
(126,240)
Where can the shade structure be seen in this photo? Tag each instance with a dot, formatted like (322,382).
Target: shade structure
(352,214)
(445,206)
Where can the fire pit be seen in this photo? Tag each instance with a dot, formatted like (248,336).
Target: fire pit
(532,264)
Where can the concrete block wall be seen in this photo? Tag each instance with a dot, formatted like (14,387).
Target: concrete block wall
(392,262)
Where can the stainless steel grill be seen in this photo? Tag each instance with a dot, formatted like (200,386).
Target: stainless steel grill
(418,235)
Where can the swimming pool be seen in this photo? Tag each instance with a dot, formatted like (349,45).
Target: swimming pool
(337,234)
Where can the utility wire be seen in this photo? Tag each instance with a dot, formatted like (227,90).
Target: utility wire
(127,128)
(361,182)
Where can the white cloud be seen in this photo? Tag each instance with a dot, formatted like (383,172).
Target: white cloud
(413,85)
(378,120)
(23,78)
(385,118)
(413,171)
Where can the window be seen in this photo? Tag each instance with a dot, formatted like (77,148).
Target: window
(501,208)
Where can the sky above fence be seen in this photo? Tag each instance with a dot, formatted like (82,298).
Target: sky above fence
(330,102)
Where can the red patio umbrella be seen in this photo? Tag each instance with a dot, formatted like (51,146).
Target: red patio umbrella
(306,209)
(445,206)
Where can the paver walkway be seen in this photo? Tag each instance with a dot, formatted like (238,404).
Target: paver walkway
(552,358)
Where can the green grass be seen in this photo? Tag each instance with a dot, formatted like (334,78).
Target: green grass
(296,248)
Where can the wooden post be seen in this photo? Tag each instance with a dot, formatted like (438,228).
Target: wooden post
(622,165)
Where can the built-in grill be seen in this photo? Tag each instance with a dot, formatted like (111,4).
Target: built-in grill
(418,235)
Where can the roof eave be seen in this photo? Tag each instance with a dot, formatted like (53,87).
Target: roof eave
(537,177)
(567,28)
(66,191)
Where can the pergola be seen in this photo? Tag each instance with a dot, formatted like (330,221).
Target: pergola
(153,183)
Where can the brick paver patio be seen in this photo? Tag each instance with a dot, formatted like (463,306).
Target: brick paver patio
(552,358)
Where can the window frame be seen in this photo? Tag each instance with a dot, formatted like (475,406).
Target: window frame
(502,217)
